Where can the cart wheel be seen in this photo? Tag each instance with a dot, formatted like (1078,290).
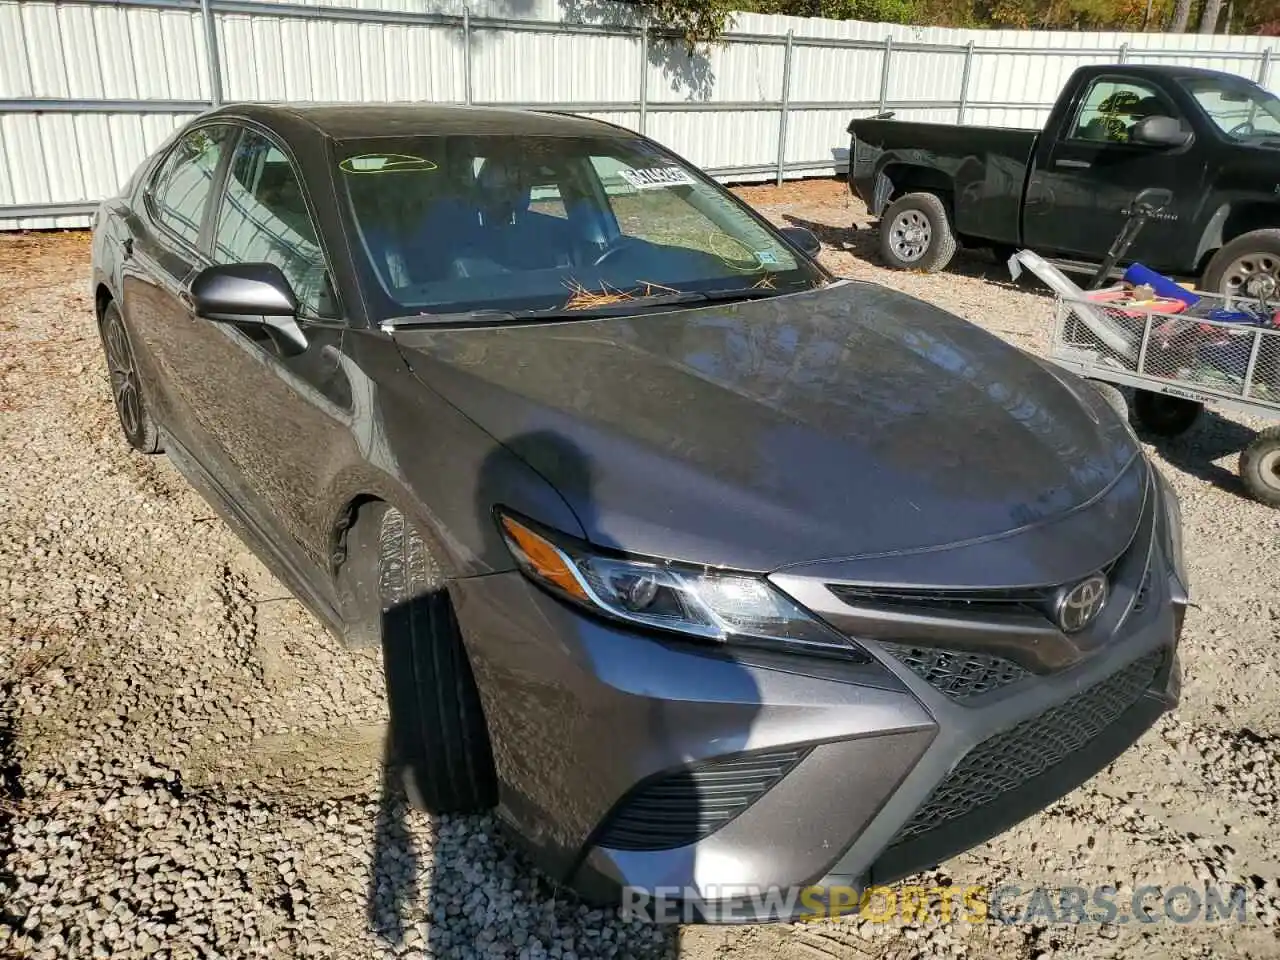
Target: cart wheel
(1260,467)
(1114,396)
(1163,415)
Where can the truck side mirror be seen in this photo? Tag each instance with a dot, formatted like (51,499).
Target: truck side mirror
(1159,132)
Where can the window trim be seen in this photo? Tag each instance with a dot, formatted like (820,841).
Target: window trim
(1073,121)
(244,126)
(148,182)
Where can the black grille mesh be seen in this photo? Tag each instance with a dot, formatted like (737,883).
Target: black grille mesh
(686,805)
(960,674)
(1009,759)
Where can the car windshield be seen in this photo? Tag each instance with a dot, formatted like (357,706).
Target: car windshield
(450,224)
(1240,109)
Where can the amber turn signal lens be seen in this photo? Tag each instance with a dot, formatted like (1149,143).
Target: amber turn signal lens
(543,560)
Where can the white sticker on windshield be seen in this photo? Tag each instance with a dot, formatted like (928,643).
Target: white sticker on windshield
(656,177)
(766,256)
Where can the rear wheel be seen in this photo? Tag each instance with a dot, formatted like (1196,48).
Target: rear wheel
(126,386)
(1248,266)
(916,234)
(1163,415)
(1260,467)
(438,731)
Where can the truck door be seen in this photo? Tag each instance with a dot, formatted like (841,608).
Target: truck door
(1085,178)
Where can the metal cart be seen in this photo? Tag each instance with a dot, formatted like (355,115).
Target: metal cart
(1177,363)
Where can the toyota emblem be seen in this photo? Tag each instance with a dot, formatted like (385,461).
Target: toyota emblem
(1079,606)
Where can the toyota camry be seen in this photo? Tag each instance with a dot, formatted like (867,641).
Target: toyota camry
(708,570)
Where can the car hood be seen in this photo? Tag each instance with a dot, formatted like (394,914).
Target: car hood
(845,422)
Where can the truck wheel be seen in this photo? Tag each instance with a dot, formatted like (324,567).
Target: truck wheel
(1248,266)
(915,234)
(1260,467)
(1163,415)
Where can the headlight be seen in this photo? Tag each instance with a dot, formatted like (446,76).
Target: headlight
(1173,529)
(709,604)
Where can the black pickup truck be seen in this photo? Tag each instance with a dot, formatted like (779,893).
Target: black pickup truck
(1211,138)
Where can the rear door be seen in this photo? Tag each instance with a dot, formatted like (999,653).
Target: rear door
(1079,194)
(163,254)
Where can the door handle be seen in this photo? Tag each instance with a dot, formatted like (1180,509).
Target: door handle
(127,248)
(1073,164)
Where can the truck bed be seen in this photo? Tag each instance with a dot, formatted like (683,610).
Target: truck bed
(983,169)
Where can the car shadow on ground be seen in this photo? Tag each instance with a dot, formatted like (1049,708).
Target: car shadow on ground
(1211,438)
(863,242)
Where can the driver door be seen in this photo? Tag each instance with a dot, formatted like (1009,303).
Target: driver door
(280,413)
(1079,194)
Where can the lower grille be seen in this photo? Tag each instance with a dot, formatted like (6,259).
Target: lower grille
(684,806)
(1009,759)
(960,674)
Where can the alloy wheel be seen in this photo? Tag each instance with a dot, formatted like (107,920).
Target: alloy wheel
(910,235)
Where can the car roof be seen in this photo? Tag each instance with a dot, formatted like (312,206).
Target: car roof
(351,121)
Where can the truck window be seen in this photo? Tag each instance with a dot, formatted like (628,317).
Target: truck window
(1111,108)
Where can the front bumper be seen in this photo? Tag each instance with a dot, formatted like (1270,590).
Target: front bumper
(591,722)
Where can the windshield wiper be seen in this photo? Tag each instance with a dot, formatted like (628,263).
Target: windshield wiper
(620,307)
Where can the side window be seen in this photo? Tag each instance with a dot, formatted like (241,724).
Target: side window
(184,181)
(263,219)
(1112,108)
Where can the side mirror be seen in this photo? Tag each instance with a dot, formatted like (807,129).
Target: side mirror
(255,294)
(1159,132)
(803,238)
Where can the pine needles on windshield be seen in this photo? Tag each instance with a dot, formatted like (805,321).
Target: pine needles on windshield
(580,298)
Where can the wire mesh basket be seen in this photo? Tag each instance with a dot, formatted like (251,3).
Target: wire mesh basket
(1196,350)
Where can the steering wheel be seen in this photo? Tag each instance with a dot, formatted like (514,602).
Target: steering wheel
(615,245)
(1241,129)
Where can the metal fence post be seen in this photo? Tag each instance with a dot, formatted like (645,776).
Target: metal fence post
(1264,67)
(644,74)
(964,82)
(211,52)
(884,71)
(1124,52)
(466,55)
(786,103)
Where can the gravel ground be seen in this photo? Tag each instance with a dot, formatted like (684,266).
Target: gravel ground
(190,766)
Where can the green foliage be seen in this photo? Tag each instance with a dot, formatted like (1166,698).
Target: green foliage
(700,21)
(696,21)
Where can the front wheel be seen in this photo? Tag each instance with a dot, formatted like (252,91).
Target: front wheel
(1163,415)
(1260,467)
(916,234)
(438,731)
(1248,266)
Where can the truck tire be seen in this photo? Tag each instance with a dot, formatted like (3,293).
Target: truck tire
(1248,266)
(916,234)
(439,737)
(1260,467)
(1163,415)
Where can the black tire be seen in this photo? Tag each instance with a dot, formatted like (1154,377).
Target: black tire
(1244,261)
(1260,467)
(136,422)
(916,234)
(439,737)
(1163,415)
(1114,396)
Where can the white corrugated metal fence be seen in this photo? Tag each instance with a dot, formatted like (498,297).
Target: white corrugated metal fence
(88,88)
